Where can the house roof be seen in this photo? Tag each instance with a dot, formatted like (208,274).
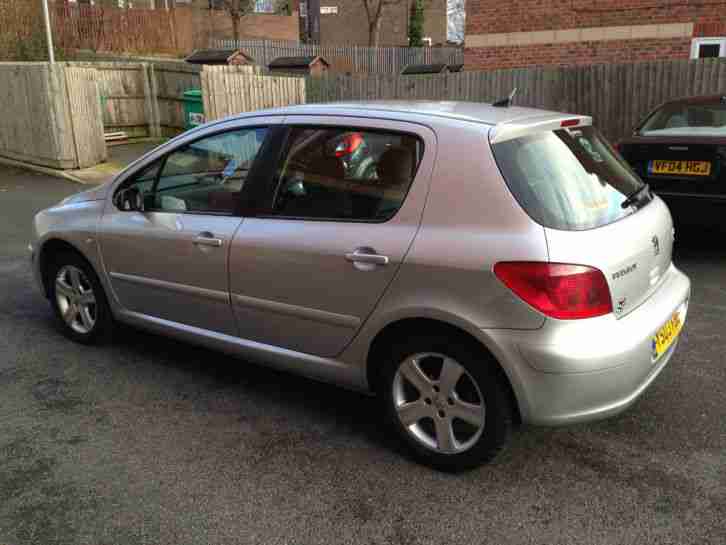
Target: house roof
(436,68)
(296,62)
(212,56)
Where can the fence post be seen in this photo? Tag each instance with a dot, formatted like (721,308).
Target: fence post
(151,104)
(84,107)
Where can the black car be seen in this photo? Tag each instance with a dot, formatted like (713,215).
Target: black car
(680,151)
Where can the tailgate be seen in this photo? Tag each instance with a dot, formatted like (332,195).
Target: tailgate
(633,253)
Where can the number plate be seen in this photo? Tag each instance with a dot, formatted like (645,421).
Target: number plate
(668,333)
(679,168)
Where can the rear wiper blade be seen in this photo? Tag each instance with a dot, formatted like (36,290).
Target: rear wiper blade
(633,197)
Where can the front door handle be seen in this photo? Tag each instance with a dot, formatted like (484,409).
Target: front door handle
(207,239)
(367,256)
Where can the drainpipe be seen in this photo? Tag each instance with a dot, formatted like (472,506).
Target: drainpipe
(48,32)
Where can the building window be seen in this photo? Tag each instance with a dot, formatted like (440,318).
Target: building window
(705,48)
(264,6)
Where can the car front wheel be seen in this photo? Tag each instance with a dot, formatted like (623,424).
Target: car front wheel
(78,299)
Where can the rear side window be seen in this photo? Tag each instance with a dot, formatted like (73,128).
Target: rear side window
(345,173)
(569,179)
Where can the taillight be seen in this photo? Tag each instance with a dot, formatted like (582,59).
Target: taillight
(348,144)
(558,290)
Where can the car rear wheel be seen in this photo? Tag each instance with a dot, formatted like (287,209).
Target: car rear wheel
(78,300)
(445,400)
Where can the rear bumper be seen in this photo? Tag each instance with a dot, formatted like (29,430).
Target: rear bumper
(570,372)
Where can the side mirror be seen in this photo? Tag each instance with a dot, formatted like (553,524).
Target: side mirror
(130,199)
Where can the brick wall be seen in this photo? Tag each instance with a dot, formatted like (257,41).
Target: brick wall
(573,54)
(575,32)
(195,27)
(350,25)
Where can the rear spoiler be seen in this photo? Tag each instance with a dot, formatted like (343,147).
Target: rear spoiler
(518,128)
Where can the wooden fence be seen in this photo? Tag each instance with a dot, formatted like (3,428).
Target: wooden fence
(52,113)
(51,117)
(86,121)
(347,58)
(227,90)
(617,96)
(102,28)
(144,98)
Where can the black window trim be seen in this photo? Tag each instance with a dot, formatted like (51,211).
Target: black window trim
(242,208)
(264,208)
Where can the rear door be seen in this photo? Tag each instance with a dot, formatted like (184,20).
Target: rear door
(334,225)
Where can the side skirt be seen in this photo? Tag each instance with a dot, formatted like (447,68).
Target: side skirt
(320,369)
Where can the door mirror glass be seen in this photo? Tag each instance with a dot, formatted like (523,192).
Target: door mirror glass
(130,199)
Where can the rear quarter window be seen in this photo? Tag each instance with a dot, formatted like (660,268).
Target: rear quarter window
(568,179)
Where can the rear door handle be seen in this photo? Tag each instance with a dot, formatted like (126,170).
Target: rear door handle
(207,239)
(367,256)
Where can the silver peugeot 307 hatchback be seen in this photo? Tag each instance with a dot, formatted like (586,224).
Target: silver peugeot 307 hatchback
(473,265)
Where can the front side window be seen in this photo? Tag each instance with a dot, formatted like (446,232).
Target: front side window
(205,176)
(345,173)
(683,119)
(568,179)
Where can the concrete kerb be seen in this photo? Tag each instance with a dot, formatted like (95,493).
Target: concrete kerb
(43,170)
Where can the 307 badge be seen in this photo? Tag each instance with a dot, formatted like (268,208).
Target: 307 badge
(668,333)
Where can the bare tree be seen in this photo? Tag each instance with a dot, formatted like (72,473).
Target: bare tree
(375,10)
(237,9)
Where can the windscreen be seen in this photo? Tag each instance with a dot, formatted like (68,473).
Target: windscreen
(706,119)
(568,179)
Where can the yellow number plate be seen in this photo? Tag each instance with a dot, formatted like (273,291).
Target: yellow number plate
(668,333)
(680,168)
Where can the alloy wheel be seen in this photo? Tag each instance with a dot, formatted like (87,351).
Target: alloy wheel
(439,403)
(76,300)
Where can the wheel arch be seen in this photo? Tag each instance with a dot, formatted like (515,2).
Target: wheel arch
(418,326)
(51,247)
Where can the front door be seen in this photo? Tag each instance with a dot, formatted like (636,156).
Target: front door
(337,220)
(170,260)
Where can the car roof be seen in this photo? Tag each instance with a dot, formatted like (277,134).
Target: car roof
(478,112)
(707,99)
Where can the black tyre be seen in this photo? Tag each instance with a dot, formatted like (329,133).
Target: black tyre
(78,299)
(445,399)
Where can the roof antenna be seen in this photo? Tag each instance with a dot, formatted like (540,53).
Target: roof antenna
(506,102)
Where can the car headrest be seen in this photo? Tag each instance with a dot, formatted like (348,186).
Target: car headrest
(329,167)
(395,167)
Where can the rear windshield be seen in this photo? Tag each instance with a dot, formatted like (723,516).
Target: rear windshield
(569,179)
(687,119)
